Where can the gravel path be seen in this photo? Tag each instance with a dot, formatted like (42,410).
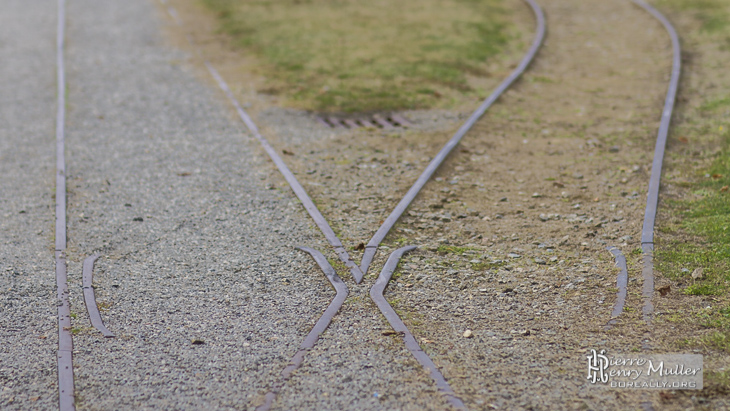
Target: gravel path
(27,165)
(199,278)
(163,184)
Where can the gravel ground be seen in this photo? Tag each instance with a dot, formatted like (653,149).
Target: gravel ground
(27,164)
(199,277)
(166,186)
(514,228)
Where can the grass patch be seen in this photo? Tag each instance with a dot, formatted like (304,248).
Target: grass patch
(452,249)
(716,104)
(350,56)
(713,14)
(717,381)
(707,219)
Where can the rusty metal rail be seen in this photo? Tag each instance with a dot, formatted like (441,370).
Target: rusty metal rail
(65,340)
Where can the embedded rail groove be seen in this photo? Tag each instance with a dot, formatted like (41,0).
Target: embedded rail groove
(371,248)
(65,340)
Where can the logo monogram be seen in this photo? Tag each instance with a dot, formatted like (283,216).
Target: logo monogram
(597,365)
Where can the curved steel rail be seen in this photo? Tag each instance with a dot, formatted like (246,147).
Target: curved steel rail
(90,297)
(647,231)
(372,247)
(65,340)
(317,330)
(376,293)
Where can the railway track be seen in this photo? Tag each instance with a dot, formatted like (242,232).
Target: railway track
(652,201)
(358,272)
(65,340)
(65,367)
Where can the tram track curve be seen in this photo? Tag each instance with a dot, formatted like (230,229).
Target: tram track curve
(371,248)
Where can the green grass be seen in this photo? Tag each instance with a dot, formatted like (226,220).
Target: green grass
(705,216)
(717,381)
(452,249)
(713,14)
(699,235)
(716,104)
(350,56)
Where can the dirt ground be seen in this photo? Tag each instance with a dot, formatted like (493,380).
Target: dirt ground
(513,232)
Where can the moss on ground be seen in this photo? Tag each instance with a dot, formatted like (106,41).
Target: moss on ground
(350,56)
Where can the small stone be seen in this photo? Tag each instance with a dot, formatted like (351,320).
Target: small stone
(578,176)
(468,334)
(536,195)
(503,199)
(197,341)
(614,149)
(544,217)
(663,291)
(540,261)
(513,255)
(697,273)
